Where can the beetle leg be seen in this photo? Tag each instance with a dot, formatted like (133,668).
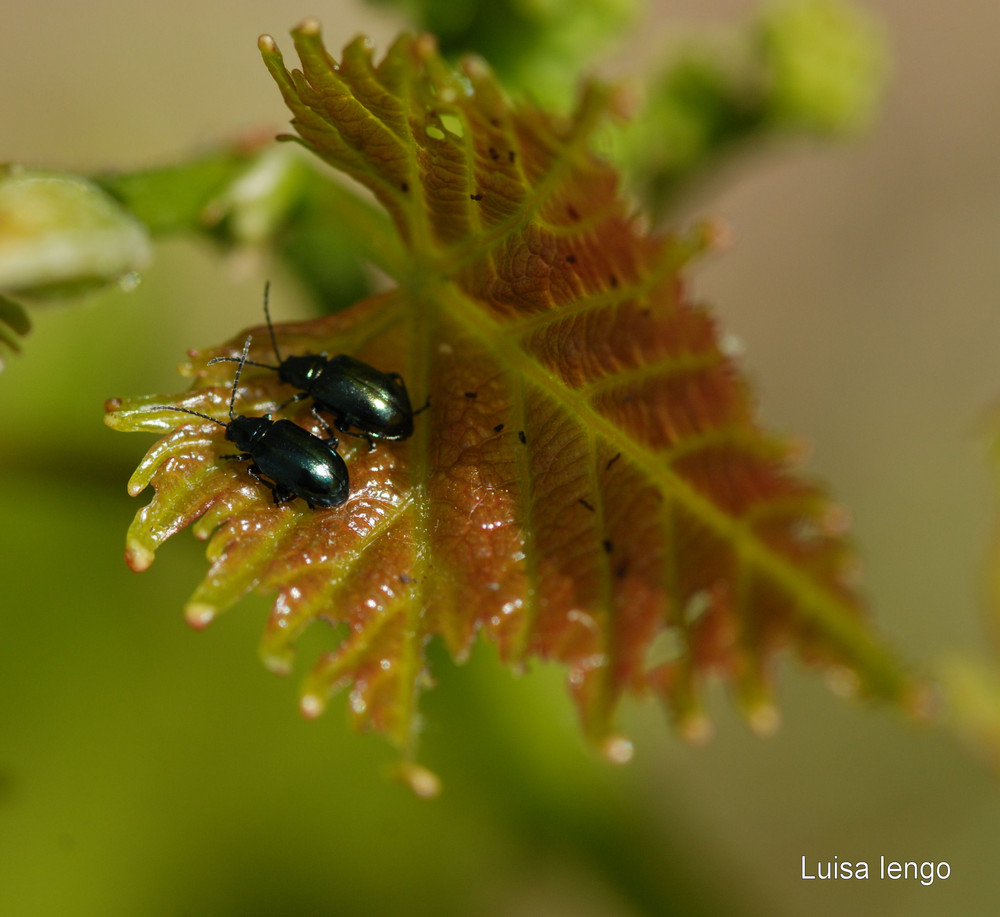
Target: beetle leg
(332,441)
(329,432)
(427,404)
(255,474)
(346,432)
(283,497)
(292,400)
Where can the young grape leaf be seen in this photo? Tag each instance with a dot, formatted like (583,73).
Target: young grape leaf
(588,484)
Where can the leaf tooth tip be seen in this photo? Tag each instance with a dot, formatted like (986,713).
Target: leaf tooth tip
(836,520)
(625,100)
(695,729)
(138,556)
(924,701)
(764,719)
(309,26)
(280,663)
(617,749)
(798,451)
(731,345)
(425,45)
(475,68)
(850,573)
(842,681)
(423,782)
(718,234)
(199,615)
(267,44)
(311,705)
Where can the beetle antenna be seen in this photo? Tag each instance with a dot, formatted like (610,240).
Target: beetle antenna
(239,369)
(270,326)
(173,407)
(241,360)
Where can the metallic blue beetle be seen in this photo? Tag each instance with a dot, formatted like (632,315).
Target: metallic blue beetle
(285,457)
(357,395)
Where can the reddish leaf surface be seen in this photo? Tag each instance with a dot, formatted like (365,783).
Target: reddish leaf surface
(589,483)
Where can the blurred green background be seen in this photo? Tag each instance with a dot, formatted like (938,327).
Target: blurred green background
(149,769)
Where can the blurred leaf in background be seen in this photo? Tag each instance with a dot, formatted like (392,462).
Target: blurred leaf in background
(800,68)
(538,48)
(61,236)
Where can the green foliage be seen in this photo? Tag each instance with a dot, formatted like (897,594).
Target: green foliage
(806,67)
(824,65)
(266,196)
(61,235)
(535,46)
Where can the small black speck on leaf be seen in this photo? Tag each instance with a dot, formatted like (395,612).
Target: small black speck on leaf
(612,460)
(521,436)
(498,428)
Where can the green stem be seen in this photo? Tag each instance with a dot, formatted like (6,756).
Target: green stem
(269,196)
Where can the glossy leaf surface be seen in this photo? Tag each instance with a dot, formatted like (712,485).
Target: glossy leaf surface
(589,483)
